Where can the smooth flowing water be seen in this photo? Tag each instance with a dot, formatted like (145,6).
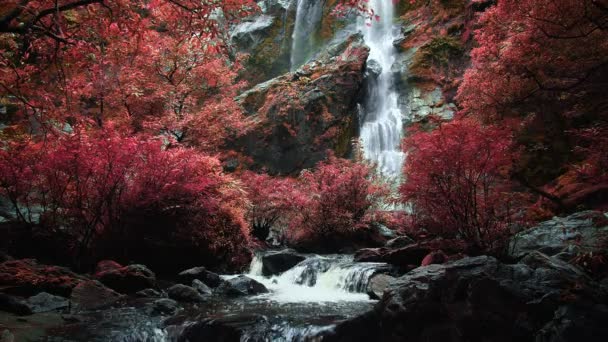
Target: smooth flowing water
(382,126)
(308,17)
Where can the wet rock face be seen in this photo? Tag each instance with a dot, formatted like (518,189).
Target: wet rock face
(164,306)
(378,284)
(277,263)
(301,115)
(241,286)
(184,293)
(565,236)
(92,294)
(411,255)
(266,38)
(127,279)
(481,299)
(45,302)
(199,273)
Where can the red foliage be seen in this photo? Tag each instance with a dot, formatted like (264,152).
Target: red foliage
(335,201)
(545,62)
(533,48)
(156,66)
(457,180)
(271,201)
(98,183)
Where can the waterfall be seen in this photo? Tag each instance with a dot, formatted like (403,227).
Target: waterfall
(332,278)
(381,129)
(308,17)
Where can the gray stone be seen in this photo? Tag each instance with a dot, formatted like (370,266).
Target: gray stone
(563,236)
(201,287)
(183,293)
(93,294)
(400,241)
(279,262)
(44,302)
(164,306)
(241,286)
(127,279)
(209,278)
(378,284)
(481,299)
(148,293)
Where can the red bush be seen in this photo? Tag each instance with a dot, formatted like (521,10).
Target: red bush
(271,201)
(457,180)
(100,184)
(335,201)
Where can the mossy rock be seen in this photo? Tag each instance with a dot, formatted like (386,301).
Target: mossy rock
(440,51)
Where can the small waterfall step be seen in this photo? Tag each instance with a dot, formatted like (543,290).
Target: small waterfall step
(319,278)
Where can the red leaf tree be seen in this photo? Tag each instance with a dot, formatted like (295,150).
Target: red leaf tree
(271,201)
(544,63)
(456,179)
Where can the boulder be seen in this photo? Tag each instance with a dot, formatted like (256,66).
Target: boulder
(279,262)
(482,299)
(127,279)
(402,257)
(241,327)
(107,265)
(241,286)
(374,69)
(92,294)
(410,255)
(400,241)
(300,115)
(26,277)
(578,233)
(148,293)
(164,306)
(184,293)
(209,278)
(201,287)
(378,284)
(44,302)
(14,305)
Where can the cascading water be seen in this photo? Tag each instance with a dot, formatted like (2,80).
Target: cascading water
(319,279)
(382,126)
(308,17)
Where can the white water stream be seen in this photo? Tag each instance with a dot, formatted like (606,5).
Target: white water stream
(308,17)
(318,279)
(382,126)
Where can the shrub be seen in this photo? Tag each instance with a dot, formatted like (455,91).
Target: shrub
(457,181)
(271,201)
(335,202)
(99,185)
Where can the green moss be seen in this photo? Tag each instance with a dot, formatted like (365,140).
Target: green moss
(343,142)
(440,51)
(271,57)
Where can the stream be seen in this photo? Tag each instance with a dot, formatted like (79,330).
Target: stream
(302,302)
